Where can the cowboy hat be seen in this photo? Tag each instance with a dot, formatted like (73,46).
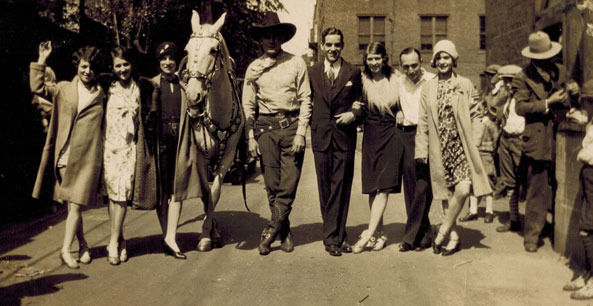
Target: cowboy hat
(271,24)
(541,47)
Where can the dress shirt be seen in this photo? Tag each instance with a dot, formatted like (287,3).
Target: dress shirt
(277,85)
(335,67)
(586,153)
(410,95)
(515,124)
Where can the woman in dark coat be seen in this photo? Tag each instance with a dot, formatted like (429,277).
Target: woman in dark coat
(382,142)
(71,160)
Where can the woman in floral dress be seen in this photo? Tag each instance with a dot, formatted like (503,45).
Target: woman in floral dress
(119,155)
(444,140)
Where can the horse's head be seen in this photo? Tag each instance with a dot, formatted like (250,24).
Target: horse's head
(203,52)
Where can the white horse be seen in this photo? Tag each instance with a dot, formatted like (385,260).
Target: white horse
(217,118)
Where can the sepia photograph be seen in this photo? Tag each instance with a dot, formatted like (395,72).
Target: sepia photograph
(296,152)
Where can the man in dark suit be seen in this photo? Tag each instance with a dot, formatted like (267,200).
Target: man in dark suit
(335,86)
(540,89)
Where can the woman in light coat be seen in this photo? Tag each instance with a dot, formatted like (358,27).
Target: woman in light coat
(71,161)
(444,140)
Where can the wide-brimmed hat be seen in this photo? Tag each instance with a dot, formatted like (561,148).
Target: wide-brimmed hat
(508,71)
(492,69)
(444,45)
(541,47)
(271,24)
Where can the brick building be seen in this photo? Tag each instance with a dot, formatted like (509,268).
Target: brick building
(403,23)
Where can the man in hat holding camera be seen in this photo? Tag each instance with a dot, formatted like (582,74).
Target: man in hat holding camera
(540,89)
(277,106)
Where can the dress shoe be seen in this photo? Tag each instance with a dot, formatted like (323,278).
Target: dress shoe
(333,250)
(123,250)
(170,252)
(584,293)
(67,259)
(405,247)
(577,283)
(469,217)
(380,242)
(489,218)
(513,226)
(266,241)
(346,247)
(531,247)
(361,244)
(436,248)
(112,260)
(287,244)
(455,249)
(425,243)
(204,245)
(84,255)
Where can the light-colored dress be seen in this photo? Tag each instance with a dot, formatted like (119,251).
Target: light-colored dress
(119,155)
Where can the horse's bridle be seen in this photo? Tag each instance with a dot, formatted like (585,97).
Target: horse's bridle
(206,78)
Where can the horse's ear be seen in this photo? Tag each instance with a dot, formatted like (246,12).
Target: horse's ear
(218,24)
(195,21)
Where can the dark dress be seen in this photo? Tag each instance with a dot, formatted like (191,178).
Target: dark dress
(382,143)
(169,134)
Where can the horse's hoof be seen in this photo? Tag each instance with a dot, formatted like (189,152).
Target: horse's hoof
(205,245)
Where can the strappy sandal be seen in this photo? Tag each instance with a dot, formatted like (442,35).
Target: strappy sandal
(84,254)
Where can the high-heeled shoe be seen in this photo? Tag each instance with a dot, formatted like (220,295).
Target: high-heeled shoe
(84,255)
(112,260)
(67,259)
(437,248)
(360,245)
(380,242)
(447,251)
(170,252)
(123,251)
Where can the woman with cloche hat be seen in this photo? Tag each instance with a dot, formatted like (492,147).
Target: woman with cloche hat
(444,141)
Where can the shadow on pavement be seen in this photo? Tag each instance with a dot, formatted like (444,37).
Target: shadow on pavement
(12,295)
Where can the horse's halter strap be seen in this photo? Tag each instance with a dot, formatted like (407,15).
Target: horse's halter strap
(206,77)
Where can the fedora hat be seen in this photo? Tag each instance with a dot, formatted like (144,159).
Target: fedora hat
(541,47)
(271,24)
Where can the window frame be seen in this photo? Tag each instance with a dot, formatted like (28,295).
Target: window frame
(372,31)
(433,30)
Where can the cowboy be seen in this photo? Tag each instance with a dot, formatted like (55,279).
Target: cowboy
(277,106)
(539,90)
(336,85)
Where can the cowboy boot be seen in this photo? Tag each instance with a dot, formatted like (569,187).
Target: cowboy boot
(268,236)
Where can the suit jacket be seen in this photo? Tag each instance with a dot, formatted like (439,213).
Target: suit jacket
(82,130)
(530,95)
(329,101)
(428,144)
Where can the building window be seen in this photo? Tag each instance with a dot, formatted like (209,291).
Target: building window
(370,29)
(482,32)
(432,29)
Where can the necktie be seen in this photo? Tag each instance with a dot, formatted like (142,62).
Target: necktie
(331,76)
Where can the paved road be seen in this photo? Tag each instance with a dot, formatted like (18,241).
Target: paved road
(491,269)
